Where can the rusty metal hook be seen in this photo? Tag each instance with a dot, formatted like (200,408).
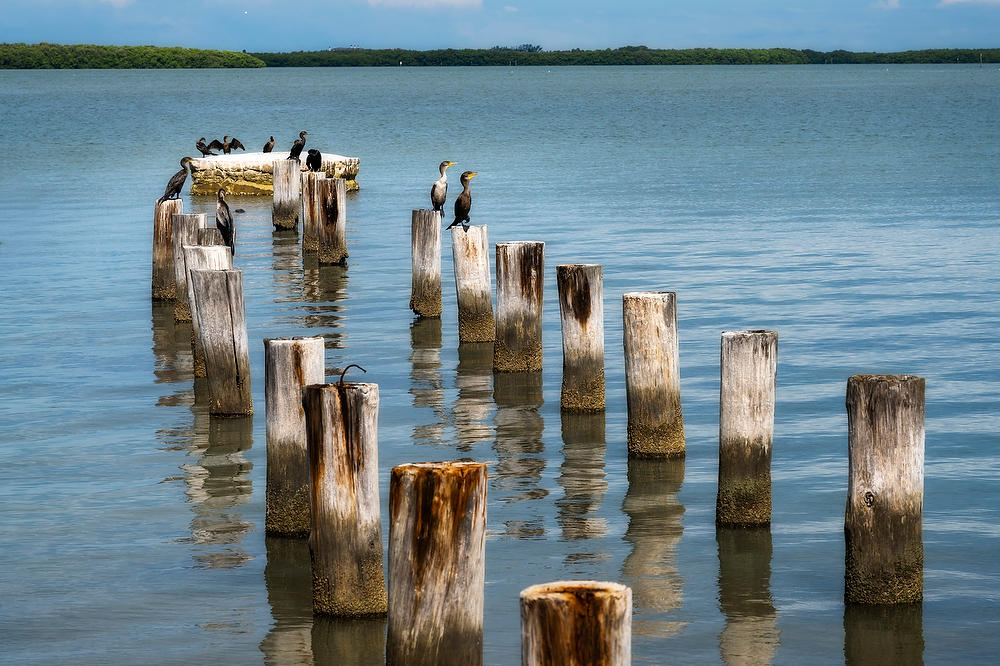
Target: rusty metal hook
(352,365)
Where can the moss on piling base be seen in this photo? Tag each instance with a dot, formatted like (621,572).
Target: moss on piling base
(527,358)
(287,513)
(744,503)
(478,327)
(359,592)
(583,396)
(660,441)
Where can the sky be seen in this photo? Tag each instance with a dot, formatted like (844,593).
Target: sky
(308,25)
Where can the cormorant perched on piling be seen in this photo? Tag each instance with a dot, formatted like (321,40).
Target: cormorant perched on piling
(439,190)
(297,147)
(176,181)
(269,145)
(314,160)
(463,204)
(224,221)
(204,149)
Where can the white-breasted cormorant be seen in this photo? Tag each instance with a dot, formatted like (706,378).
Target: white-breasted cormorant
(439,190)
(224,221)
(269,145)
(297,147)
(314,160)
(203,148)
(176,181)
(463,204)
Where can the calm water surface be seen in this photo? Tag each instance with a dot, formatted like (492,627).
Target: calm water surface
(852,209)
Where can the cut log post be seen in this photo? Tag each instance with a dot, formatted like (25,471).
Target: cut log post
(437,530)
(749,366)
(346,538)
(164,288)
(222,327)
(286,203)
(425,241)
(210,236)
(520,280)
(652,375)
(312,211)
(185,232)
(581,306)
(332,221)
(197,257)
(576,623)
(884,555)
(290,364)
(473,284)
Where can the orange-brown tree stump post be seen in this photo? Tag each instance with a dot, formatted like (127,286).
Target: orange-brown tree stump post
(473,284)
(286,203)
(425,243)
(163,285)
(520,283)
(199,257)
(581,307)
(185,232)
(332,225)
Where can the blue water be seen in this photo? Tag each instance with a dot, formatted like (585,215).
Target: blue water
(853,209)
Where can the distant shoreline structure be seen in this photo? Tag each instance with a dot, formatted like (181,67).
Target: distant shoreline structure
(90,56)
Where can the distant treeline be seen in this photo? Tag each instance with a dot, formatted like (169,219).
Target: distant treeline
(90,56)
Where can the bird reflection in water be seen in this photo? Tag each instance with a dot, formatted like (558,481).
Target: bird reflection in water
(751,633)
(519,450)
(474,404)
(584,485)
(426,385)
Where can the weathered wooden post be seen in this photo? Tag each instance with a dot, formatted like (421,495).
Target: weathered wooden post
(473,284)
(185,232)
(222,327)
(652,375)
(749,366)
(290,364)
(437,568)
(332,221)
(425,241)
(311,209)
(285,205)
(573,623)
(213,257)
(581,306)
(164,288)
(346,538)
(884,555)
(520,281)
(210,236)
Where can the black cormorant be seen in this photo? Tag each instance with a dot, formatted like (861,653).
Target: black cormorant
(216,144)
(224,221)
(176,181)
(269,145)
(204,149)
(463,204)
(439,190)
(230,143)
(314,160)
(297,147)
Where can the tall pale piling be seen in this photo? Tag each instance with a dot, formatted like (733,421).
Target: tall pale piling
(312,213)
(346,538)
(332,221)
(290,364)
(437,530)
(473,284)
(581,307)
(884,555)
(652,375)
(576,623)
(164,288)
(520,281)
(210,236)
(749,366)
(222,327)
(185,232)
(197,257)
(425,241)
(285,205)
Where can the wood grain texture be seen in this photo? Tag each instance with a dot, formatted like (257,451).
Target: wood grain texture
(163,286)
(332,226)
(312,213)
(425,246)
(285,204)
(196,257)
(581,308)
(185,232)
(520,283)
(473,284)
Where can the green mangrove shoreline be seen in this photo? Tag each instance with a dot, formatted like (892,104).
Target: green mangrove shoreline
(90,56)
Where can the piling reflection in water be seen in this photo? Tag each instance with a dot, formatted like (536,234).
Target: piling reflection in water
(174,361)
(519,449)
(286,253)
(474,405)
(583,481)
(426,385)
(322,289)
(751,634)
(288,578)
(883,634)
(654,531)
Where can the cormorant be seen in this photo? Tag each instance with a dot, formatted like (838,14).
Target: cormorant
(224,221)
(204,149)
(176,181)
(297,147)
(269,145)
(216,145)
(314,160)
(439,190)
(463,204)
(230,143)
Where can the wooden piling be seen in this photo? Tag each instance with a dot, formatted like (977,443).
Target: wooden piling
(576,623)
(290,364)
(312,212)
(163,285)
(884,555)
(520,281)
(185,232)
(346,538)
(210,236)
(652,375)
(749,365)
(222,328)
(285,205)
(473,284)
(425,242)
(437,529)
(581,306)
(213,257)
(332,221)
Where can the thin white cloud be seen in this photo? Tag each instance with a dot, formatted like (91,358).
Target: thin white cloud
(426,4)
(945,3)
(509,8)
(886,4)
